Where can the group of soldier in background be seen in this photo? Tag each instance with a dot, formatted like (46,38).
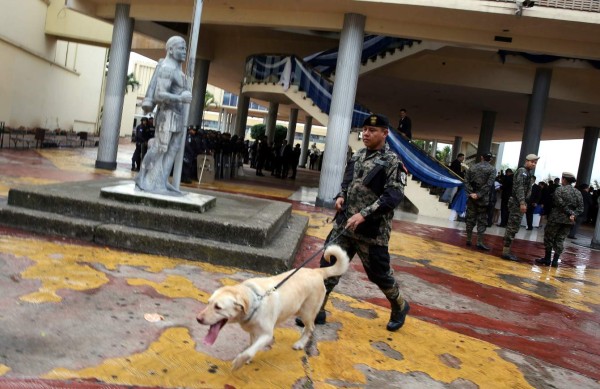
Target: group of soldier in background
(280,159)
(228,152)
(564,206)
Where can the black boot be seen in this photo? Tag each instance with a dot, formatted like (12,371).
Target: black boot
(546,261)
(469,237)
(398,315)
(321,317)
(481,245)
(555,260)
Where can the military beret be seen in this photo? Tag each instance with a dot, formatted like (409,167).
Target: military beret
(568,175)
(532,157)
(375,120)
(488,156)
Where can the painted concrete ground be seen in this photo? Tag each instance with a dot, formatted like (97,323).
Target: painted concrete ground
(74,315)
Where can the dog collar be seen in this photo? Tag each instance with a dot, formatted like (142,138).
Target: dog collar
(257,299)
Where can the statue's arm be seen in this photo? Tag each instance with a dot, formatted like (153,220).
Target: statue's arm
(163,89)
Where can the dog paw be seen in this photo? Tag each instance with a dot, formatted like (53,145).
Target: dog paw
(299,345)
(240,360)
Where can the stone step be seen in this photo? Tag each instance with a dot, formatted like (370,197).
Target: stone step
(235,219)
(224,235)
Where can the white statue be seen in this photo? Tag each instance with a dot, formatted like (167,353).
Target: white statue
(169,91)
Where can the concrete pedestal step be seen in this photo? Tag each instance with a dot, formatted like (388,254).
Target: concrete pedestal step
(247,232)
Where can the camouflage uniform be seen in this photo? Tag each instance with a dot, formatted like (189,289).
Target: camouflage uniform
(567,201)
(522,182)
(479,179)
(373,186)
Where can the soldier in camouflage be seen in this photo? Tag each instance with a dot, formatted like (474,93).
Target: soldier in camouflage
(479,182)
(372,188)
(567,205)
(517,203)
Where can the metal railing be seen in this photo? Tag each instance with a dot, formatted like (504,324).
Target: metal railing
(573,5)
(292,71)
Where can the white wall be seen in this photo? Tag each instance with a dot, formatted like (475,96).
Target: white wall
(43,81)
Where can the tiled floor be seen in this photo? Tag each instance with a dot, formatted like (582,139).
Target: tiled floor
(73,314)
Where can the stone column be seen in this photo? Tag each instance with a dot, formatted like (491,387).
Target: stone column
(433,148)
(488,120)
(198,92)
(116,81)
(342,105)
(291,133)
(221,118)
(231,123)
(588,154)
(271,122)
(536,109)
(456,147)
(499,156)
(305,140)
(242,115)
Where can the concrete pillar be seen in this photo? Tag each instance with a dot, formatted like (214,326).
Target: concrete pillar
(342,105)
(232,117)
(433,148)
(588,154)
(499,156)
(242,115)
(456,146)
(198,92)
(536,109)
(220,122)
(488,120)
(291,133)
(271,122)
(305,140)
(116,81)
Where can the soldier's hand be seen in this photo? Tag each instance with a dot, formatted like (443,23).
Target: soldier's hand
(354,221)
(523,208)
(339,203)
(474,196)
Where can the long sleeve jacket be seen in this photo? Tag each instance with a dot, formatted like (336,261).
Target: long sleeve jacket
(480,179)
(373,186)
(522,182)
(567,201)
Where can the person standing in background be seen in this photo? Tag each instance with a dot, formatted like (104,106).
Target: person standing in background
(405,124)
(587,205)
(507,187)
(517,204)
(568,204)
(479,182)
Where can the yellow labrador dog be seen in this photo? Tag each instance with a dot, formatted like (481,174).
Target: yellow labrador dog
(258,307)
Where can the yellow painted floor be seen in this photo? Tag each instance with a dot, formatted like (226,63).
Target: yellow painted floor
(79,315)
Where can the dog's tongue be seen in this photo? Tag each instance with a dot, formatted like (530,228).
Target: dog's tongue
(213,332)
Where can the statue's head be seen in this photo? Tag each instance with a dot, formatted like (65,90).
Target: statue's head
(176,48)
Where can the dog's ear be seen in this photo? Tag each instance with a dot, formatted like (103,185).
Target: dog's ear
(242,302)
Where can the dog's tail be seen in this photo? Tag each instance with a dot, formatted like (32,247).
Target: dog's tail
(341,263)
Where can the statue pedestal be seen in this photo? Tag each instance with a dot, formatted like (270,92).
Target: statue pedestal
(127,192)
(242,231)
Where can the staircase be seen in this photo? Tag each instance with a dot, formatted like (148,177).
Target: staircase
(289,79)
(427,203)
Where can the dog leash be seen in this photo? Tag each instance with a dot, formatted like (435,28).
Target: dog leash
(260,297)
